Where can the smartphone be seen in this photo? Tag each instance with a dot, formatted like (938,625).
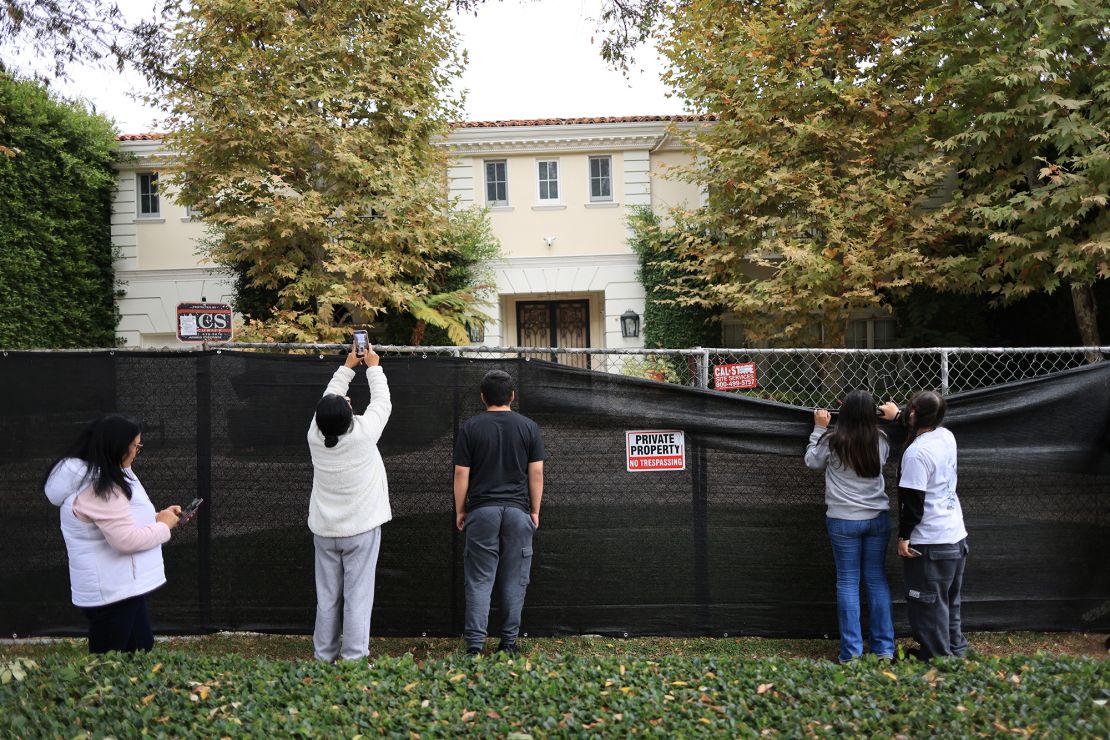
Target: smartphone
(362,342)
(915,553)
(190,511)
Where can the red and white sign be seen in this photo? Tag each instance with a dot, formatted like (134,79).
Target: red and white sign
(731,377)
(204,322)
(662,449)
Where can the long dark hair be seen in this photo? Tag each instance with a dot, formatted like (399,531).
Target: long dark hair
(928,408)
(333,418)
(855,438)
(102,445)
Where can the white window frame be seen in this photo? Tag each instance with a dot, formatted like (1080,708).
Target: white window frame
(493,203)
(590,179)
(558,199)
(139,195)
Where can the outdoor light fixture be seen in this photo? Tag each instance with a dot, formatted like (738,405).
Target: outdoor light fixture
(630,324)
(476,333)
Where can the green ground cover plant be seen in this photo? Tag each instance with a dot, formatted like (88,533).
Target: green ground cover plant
(188,693)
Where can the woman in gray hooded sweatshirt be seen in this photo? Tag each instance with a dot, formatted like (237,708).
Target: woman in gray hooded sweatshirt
(852,454)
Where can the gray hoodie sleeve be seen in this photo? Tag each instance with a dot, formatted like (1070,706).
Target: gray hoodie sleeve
(69,477)
(817,455)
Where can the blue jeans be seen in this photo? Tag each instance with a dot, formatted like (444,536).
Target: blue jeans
(859,546)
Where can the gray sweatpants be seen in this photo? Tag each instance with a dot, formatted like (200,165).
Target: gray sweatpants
(345,568)
(933,583)
(498,553)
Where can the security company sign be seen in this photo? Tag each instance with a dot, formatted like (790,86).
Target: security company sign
(663,449)
(204,322)
(731,377)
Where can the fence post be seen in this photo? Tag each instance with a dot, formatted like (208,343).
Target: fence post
(703,368)
(944,372)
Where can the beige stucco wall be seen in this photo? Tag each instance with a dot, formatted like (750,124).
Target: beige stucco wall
(667,191)
(579,227)
(170,242)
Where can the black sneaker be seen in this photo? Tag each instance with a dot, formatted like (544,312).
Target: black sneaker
(474,650)
(511,648)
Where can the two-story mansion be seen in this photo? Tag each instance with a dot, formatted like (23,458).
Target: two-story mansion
(557,190)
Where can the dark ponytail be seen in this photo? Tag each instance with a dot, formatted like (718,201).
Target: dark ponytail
(102,446)
(333,418)
(928,408)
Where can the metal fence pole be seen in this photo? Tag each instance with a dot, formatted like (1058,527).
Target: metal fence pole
(944,372)
(703,368)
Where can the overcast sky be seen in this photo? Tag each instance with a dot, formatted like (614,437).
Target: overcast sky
(527,59)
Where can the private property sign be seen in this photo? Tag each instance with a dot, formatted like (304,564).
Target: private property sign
(204,322)
(731,377)
(663,449)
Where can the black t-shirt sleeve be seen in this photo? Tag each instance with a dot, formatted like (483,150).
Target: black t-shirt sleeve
(536,451)
(462,448)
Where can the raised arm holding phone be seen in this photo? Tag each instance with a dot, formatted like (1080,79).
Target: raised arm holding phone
(348,505)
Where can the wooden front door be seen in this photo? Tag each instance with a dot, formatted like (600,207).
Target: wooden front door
(555,324)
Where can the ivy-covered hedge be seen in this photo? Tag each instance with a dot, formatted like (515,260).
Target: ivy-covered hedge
(56,184)
(186,695)
(667,325)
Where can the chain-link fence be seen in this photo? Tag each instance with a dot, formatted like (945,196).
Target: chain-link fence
(803,377)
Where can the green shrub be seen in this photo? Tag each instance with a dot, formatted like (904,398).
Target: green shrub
(56,185)
(182,694)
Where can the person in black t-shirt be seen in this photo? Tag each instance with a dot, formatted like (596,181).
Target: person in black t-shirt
(498,487)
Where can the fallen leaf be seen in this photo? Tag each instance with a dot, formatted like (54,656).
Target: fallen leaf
(411,686)
(148,698)
(890,675)
(467,715)
(457,677)
(764,688)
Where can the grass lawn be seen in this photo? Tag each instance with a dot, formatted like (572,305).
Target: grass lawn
(421,648)
(248,686)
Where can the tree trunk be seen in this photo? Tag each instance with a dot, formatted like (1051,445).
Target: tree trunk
(1086,317)
(417,337)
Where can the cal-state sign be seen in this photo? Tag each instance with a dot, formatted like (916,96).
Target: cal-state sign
(731,377)
(204,322)
(660,449)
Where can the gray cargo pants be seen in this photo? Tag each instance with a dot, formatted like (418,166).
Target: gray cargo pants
(933,583)
(345,570)
(498,552)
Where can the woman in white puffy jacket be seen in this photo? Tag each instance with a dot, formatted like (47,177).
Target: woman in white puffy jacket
(113,535)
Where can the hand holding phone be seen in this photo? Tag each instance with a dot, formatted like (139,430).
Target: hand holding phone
(190,511)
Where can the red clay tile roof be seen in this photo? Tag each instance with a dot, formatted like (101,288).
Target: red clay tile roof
(583,121)
(683,118)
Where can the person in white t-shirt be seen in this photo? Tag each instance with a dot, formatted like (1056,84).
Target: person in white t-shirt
(932,539)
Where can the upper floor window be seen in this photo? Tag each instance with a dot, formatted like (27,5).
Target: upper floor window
(192,212)
(148,195)
(601,179)
(548,180)
(497,182)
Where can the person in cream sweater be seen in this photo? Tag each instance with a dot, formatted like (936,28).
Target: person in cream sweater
(348,506)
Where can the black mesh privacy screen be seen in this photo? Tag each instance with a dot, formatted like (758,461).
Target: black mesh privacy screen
(734,544)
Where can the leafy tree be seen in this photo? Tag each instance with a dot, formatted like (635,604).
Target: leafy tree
(68,31)
(305,137)
(814,204)
(56,188)
(472,246)
(1022,105)
(867,147)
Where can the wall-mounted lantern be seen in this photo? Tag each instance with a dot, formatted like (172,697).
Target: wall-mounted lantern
(630,324)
